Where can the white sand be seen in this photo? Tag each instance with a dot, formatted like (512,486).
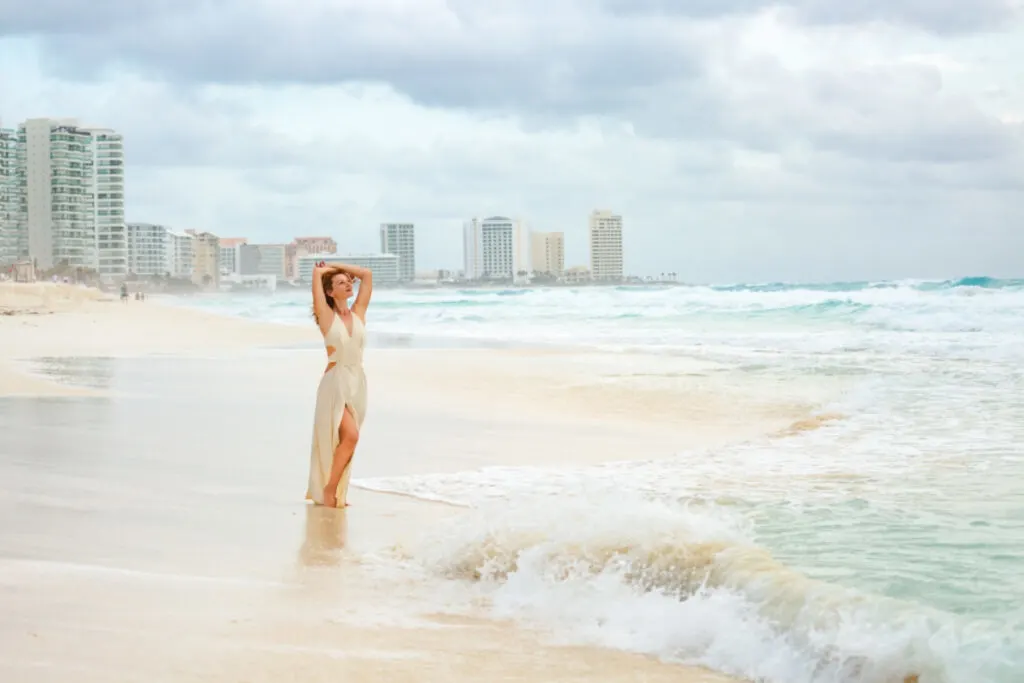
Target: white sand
(66,320)
(96,624)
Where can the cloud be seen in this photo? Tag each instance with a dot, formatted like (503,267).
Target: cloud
(569,61)
(645,62)
(892,113)
(940,16)
(741,139)
(570,55)
(103,16)
(46,17)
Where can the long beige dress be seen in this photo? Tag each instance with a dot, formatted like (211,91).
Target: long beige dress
(343,384)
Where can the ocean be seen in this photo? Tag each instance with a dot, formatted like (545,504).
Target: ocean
(884,538)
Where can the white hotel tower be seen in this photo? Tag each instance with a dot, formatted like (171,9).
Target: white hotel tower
(606,246)
(108,203)
(400,239)
(148,249)
(13,241)
(69,183)
(494,248)
(57,159)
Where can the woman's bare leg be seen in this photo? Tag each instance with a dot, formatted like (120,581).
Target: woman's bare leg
(348,437)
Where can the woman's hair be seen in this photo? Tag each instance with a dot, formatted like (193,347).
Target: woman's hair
(326,280)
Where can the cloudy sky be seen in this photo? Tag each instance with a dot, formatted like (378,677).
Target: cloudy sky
(740,139)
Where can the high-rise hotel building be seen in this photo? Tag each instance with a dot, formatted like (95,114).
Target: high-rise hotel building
(108,203)
(148,249)
(547,253)
(493,248)
(13,242)
(606,246)
(400,239)
(62,198)
(57,158)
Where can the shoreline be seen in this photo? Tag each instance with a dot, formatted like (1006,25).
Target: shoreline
(417,396)
(545,384)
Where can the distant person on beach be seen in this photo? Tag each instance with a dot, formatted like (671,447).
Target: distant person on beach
(124,292)
(341,395)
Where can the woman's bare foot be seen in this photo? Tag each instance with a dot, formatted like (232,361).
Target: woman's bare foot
(330,498)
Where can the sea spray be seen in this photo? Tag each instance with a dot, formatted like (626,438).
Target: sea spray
(725,320)
(688,585)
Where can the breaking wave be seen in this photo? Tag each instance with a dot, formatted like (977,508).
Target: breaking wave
(687,584)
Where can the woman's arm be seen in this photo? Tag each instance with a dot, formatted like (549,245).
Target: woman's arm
(365,277)
(322,311)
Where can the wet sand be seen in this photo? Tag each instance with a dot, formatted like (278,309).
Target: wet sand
(152,522)
(159,532)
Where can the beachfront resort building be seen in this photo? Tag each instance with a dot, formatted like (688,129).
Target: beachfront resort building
(493,248)
(205,259)
(385,267)
(605,246)
(472,248)
(230,254)
(68,184)
(263,259)
(180,254)
(189,255)
(303,246)
(12,245)
(239,257)
(400,239)
(315,245)
(498,247)
(108,203)
(577,275)
(547,253)
(147,249)
(58,186)
(521,252)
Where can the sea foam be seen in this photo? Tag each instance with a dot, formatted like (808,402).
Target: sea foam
(689,585)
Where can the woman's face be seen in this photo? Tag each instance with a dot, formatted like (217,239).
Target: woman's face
(341,286)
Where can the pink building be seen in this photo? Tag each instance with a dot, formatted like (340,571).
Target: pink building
(303,246)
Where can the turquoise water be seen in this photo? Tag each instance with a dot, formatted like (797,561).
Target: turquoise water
(887,542)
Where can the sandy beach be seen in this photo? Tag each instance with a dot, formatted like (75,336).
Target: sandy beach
(152,522)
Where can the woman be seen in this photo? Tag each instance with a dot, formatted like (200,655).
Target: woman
(341,396)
